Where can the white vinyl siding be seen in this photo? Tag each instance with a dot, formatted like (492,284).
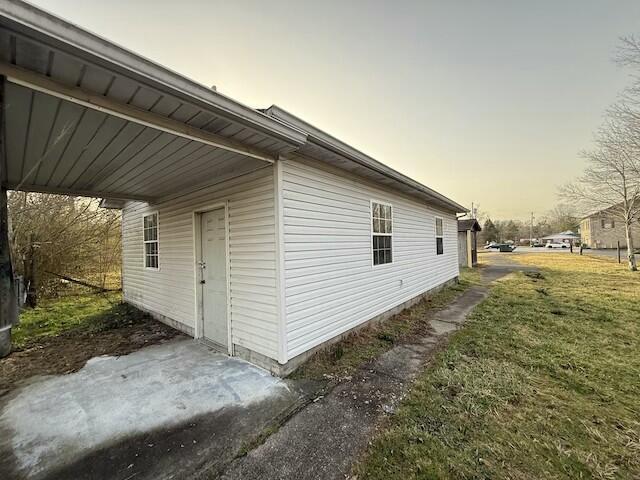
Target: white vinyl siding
(439,237)
(331,283)
(170,291)
(381,233)
(150,240)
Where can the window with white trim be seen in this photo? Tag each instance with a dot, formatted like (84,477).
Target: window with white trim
(150,238)
(381,236)
(439,237)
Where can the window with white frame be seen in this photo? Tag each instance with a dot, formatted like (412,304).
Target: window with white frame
(381,228)
(439,237)
(150,237)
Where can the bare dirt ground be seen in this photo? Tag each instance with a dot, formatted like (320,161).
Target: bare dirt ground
(117,334)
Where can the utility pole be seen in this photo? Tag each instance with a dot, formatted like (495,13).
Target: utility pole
(531,231)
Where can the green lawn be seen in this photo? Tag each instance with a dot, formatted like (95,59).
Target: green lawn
(542,383)
(56,316)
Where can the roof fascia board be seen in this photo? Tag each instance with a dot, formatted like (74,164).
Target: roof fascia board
(76,193)
(331,143)
(91,47)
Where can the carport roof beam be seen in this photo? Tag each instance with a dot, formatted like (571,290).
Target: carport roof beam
(131,113)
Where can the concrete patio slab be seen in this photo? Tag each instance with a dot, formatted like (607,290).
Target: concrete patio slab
(180,397)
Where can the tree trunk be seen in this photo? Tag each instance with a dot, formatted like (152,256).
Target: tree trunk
(630,250)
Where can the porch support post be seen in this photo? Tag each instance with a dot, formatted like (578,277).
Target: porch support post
(8,300)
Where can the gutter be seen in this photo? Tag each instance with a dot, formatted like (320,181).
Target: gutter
(331,143)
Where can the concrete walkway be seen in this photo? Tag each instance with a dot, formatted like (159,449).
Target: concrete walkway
(176,409)
(323,440)
(161,412)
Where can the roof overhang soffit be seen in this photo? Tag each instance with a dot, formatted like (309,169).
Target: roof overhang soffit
(42,29)
(383,173)
(403,184)
(43,84)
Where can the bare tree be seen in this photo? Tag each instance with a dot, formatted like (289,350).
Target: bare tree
(57,235)
(563,217)
(612,178)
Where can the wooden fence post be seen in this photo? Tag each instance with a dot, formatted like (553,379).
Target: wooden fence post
(619,259)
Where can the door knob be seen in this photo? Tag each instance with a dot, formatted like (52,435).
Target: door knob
(202,282)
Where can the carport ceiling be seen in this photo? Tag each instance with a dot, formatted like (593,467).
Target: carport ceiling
(87,117)
(61,146)
(84,116)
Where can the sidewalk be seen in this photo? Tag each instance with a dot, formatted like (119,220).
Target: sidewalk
(324,439)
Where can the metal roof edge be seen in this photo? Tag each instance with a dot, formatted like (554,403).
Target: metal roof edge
(94,46)
(328,141)
(111,204)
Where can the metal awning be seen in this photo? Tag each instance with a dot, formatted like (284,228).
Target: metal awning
(86,117)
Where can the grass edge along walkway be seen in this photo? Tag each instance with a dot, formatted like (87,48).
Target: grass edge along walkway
(542,382)
(371,341)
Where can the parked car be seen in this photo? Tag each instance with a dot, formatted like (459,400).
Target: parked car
(557,245)
(501,247)
(537,244)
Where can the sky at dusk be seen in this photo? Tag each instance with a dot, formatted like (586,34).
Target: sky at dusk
(487,102)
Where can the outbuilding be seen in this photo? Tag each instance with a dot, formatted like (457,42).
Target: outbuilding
(468,242)
(250,230)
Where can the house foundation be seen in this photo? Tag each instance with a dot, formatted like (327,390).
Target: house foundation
(5,341)
(281,370)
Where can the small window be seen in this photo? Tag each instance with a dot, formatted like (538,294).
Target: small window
(381,228)
(611,223)
(150,237)
(602,223)
(439,237)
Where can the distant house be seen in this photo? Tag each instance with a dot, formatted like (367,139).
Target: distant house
(562,237)
(468,242)
(603,230)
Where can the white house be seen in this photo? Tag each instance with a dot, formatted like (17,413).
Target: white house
(249,229)
(274,263)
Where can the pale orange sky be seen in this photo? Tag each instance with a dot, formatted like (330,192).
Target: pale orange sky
(486,102)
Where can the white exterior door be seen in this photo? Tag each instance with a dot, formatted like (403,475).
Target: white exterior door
(213,280)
